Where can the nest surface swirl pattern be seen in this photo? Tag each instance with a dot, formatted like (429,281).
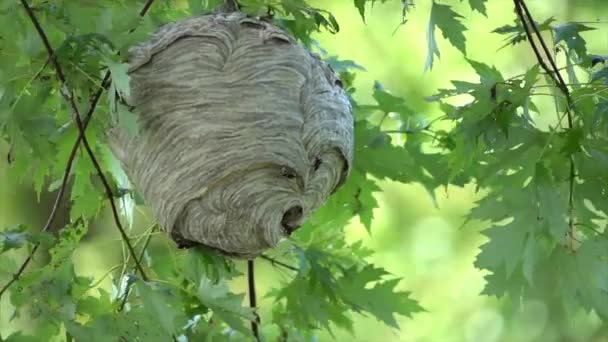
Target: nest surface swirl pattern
(243,132)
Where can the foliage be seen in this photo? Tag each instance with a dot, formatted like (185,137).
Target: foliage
(544,188)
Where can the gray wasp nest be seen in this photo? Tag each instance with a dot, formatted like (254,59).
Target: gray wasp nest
(243,132)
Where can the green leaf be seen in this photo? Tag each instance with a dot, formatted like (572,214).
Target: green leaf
(552,202)
(52,288)
(585,275)
(376,155)
(119,87)
(601,74)
(128,121)
(365,201)
(505,247)
(120,78)
(479,6)
(488,75)
(530,259)
(335,27)
(225,305)
(569,33)
(448,21)
(389,103)
(199,263)
(158,305)
(573,143)
(311,300)
(196,7)
(380,300)
(14,238)
(517,32)
(19,337)
(86,200)
(360,4)
(343,65)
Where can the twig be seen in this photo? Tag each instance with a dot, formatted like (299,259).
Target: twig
(29,82)
(93,105)
(143,250)
(252,299)
(147,235)
(428,133)
(523,12)
(146,8)
(554,73)
(542,72)
(60,193)
(123,302)
(141,257)
(277,262)
(70,99)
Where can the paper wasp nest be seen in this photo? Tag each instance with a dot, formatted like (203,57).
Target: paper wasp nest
(243,132)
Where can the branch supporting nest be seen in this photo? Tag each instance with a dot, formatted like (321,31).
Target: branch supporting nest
(255,324)
(276,262)
(230,6)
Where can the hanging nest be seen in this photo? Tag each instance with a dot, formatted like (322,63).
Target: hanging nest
(243,132)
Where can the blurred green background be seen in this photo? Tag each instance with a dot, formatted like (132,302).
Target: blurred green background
(412,238)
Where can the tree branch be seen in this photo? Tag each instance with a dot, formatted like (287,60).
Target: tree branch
(129,285)
(275,262)
(69,97)
(252,299)
(93,105)
(146,8)
(554,71)
(526,19)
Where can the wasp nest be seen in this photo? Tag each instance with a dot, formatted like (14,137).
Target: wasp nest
(243,132)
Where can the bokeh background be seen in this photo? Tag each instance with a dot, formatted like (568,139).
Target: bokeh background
(423,242)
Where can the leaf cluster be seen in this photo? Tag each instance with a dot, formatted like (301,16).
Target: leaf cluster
(542,188)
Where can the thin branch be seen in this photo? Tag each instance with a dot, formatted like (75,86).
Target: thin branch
(590,227)
(252,299)
(107,188)
(428,133)
(591,85)
(147,235)
(146,243)
(93,105)
(275,262)
(70,99)
(146,8)
(60,193)
(129,285)
(542,72)
(526,19)
(571,212)
(440,117)
(123,302)
(29,82)
(553,71)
